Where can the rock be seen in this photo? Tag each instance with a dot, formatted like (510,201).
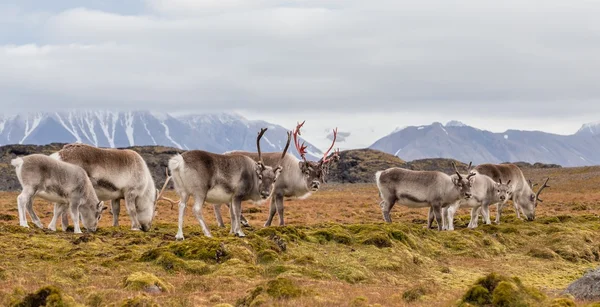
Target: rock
(587,288)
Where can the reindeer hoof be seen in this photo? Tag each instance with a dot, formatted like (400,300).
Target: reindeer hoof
(245,224)
(179,238)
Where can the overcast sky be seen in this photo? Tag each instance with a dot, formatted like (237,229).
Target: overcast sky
(365,66)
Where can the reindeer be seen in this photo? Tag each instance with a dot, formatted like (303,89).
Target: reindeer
(56,181)
(217,178)
(420,189)
(115,174)
(484,192)
(523,196)
(298,179)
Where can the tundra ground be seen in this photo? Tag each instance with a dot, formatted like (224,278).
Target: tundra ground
(335,251)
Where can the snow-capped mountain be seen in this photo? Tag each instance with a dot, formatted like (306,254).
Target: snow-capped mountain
(459,141)
(217,132)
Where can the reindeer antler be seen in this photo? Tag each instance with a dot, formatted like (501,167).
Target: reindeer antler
(325,159)
(300,148)
(545,185)
(162,191)
(287,145)
(456,170)
(260,135)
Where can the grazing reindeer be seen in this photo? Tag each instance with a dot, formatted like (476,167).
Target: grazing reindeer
(420,189)
(56,181)
(219,178)
(523,196)
(298,178)
(115,174)
(484,192)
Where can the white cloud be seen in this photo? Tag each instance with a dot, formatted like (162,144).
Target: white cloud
(500,60)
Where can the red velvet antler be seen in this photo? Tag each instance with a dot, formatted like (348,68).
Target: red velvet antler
(300,148)
(335,153)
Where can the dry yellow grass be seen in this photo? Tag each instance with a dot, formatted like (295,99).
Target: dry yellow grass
(337,253)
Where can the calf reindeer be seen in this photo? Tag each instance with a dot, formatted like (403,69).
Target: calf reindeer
(421,189)
(523,196)
(56,181)
(115,174)
(484,193)
(217,178)
(297,179)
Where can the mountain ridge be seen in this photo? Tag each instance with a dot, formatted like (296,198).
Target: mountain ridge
(215,132)
(456,140)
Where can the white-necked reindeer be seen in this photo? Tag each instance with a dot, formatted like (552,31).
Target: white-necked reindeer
(299,178)
(218,178)
(484,193)
(421,189)
(56,181)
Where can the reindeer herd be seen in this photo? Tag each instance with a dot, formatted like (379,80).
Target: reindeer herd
(79,178)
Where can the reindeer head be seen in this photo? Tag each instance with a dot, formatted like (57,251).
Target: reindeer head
(314,173)
(503,191)
(463,184)
(91,213)
(529,201)
(267,175)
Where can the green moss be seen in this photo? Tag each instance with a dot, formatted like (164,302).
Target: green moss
(247,300)
(200,248)
(548,220)
(378,239)
(563,302)
(500,290)
(283,288)
(543,253)
(334,233)
(477,295)
(139,301)
(350,273)
(7,217)
(171,263)
(305,260)
(46,296)
(3,274)
(414,294)
(292,234)
(143,281)
(507,295)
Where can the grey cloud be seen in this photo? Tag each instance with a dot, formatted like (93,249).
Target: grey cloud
(515,58)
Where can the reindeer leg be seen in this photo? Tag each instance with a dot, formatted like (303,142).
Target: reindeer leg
(22,200)
(430,217)
(386,206)
(115,209)
(474,217)
(451,211)
(437,211)
(182,203)
(236,206)
(485,211)
(218,216)
(34,217)
(57,213)
(244,221)
(272,211)
(131,210)
(198,202)
(74,208)
(279,206)
(517,210)
(500,206)
(64,208)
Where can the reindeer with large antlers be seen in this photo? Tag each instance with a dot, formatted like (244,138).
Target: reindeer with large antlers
(217,178)
(299,177)
(523,197)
